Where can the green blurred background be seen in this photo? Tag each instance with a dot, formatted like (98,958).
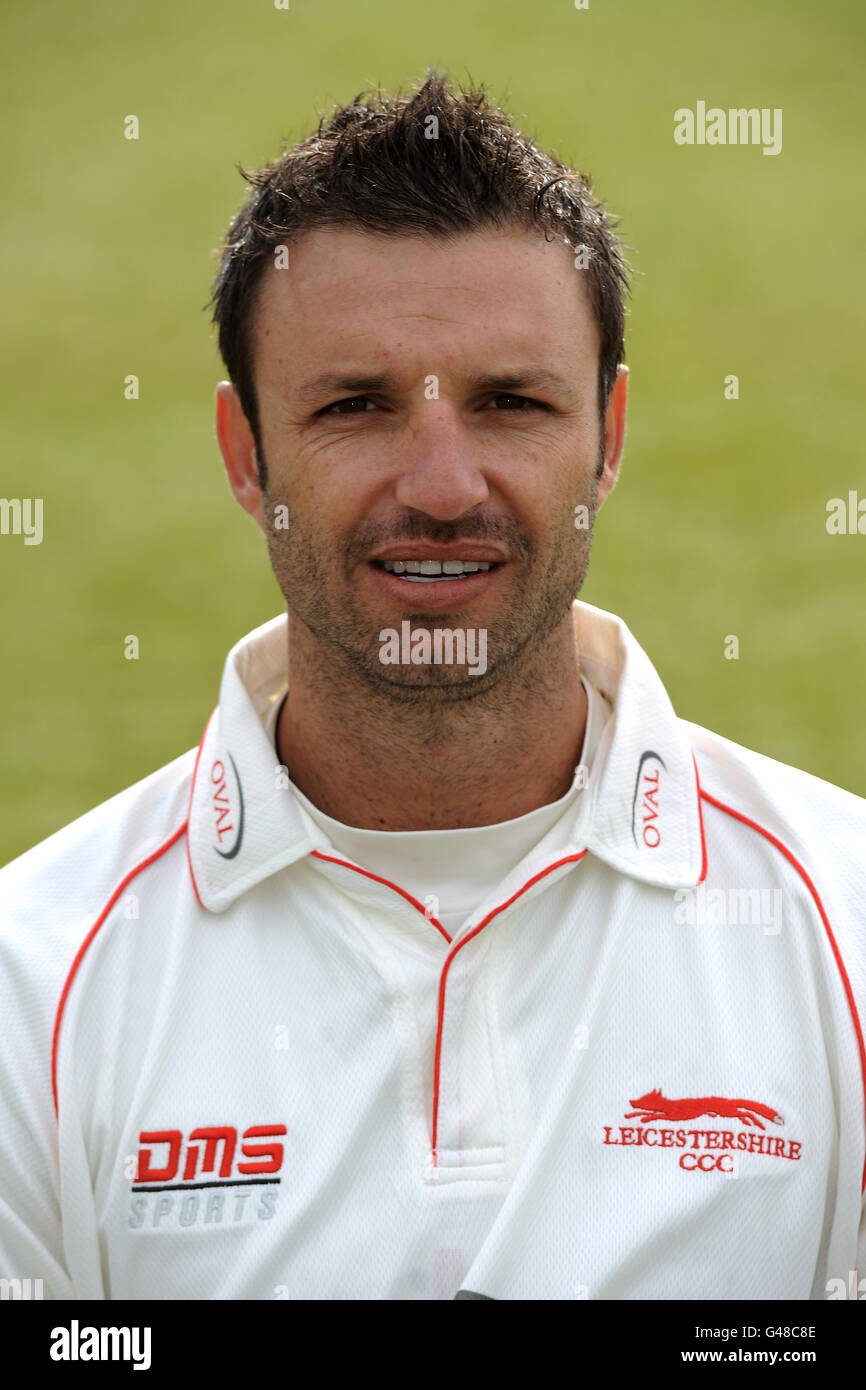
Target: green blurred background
(744,263)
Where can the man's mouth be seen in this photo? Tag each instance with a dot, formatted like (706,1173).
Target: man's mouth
(433,571)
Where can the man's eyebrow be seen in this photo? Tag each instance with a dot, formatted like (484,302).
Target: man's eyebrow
(527,379)
(336,384)
(333,384)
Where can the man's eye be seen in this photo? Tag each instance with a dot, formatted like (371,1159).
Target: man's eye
(352,405)
(506,401)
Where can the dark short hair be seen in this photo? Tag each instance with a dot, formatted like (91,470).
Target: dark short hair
(383,165)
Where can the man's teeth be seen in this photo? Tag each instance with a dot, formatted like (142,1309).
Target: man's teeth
(434,568)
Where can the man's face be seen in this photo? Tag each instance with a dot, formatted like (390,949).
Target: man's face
(428,400)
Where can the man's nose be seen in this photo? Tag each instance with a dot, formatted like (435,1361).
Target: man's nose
(441,470)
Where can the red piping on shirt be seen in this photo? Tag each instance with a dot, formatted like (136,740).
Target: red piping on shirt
(86,942)
(701,820)
(792,859)
(189,808)
(388,884)
(569,859)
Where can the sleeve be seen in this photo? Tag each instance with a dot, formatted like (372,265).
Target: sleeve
(31,1237)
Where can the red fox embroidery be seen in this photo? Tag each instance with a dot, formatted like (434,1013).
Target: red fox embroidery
(655,1106)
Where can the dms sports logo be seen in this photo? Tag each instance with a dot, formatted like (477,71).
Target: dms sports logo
(703,1150)
(165,1195)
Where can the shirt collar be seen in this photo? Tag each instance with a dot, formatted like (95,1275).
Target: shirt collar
(640,812)
(643,814)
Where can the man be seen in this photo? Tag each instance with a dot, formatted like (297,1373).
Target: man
(452,964)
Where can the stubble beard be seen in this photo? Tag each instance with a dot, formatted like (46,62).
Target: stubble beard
(344,644)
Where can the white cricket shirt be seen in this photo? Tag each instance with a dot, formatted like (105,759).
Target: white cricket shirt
(633,1070)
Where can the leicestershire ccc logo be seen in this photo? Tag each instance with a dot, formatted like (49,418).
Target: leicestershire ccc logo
(655,1106)
(702,1150)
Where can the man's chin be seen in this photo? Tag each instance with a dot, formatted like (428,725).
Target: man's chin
(430,686)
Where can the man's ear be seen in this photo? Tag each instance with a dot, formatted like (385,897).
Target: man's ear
(238,448)
(614,432)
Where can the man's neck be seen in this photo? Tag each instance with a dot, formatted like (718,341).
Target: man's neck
(426,764)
